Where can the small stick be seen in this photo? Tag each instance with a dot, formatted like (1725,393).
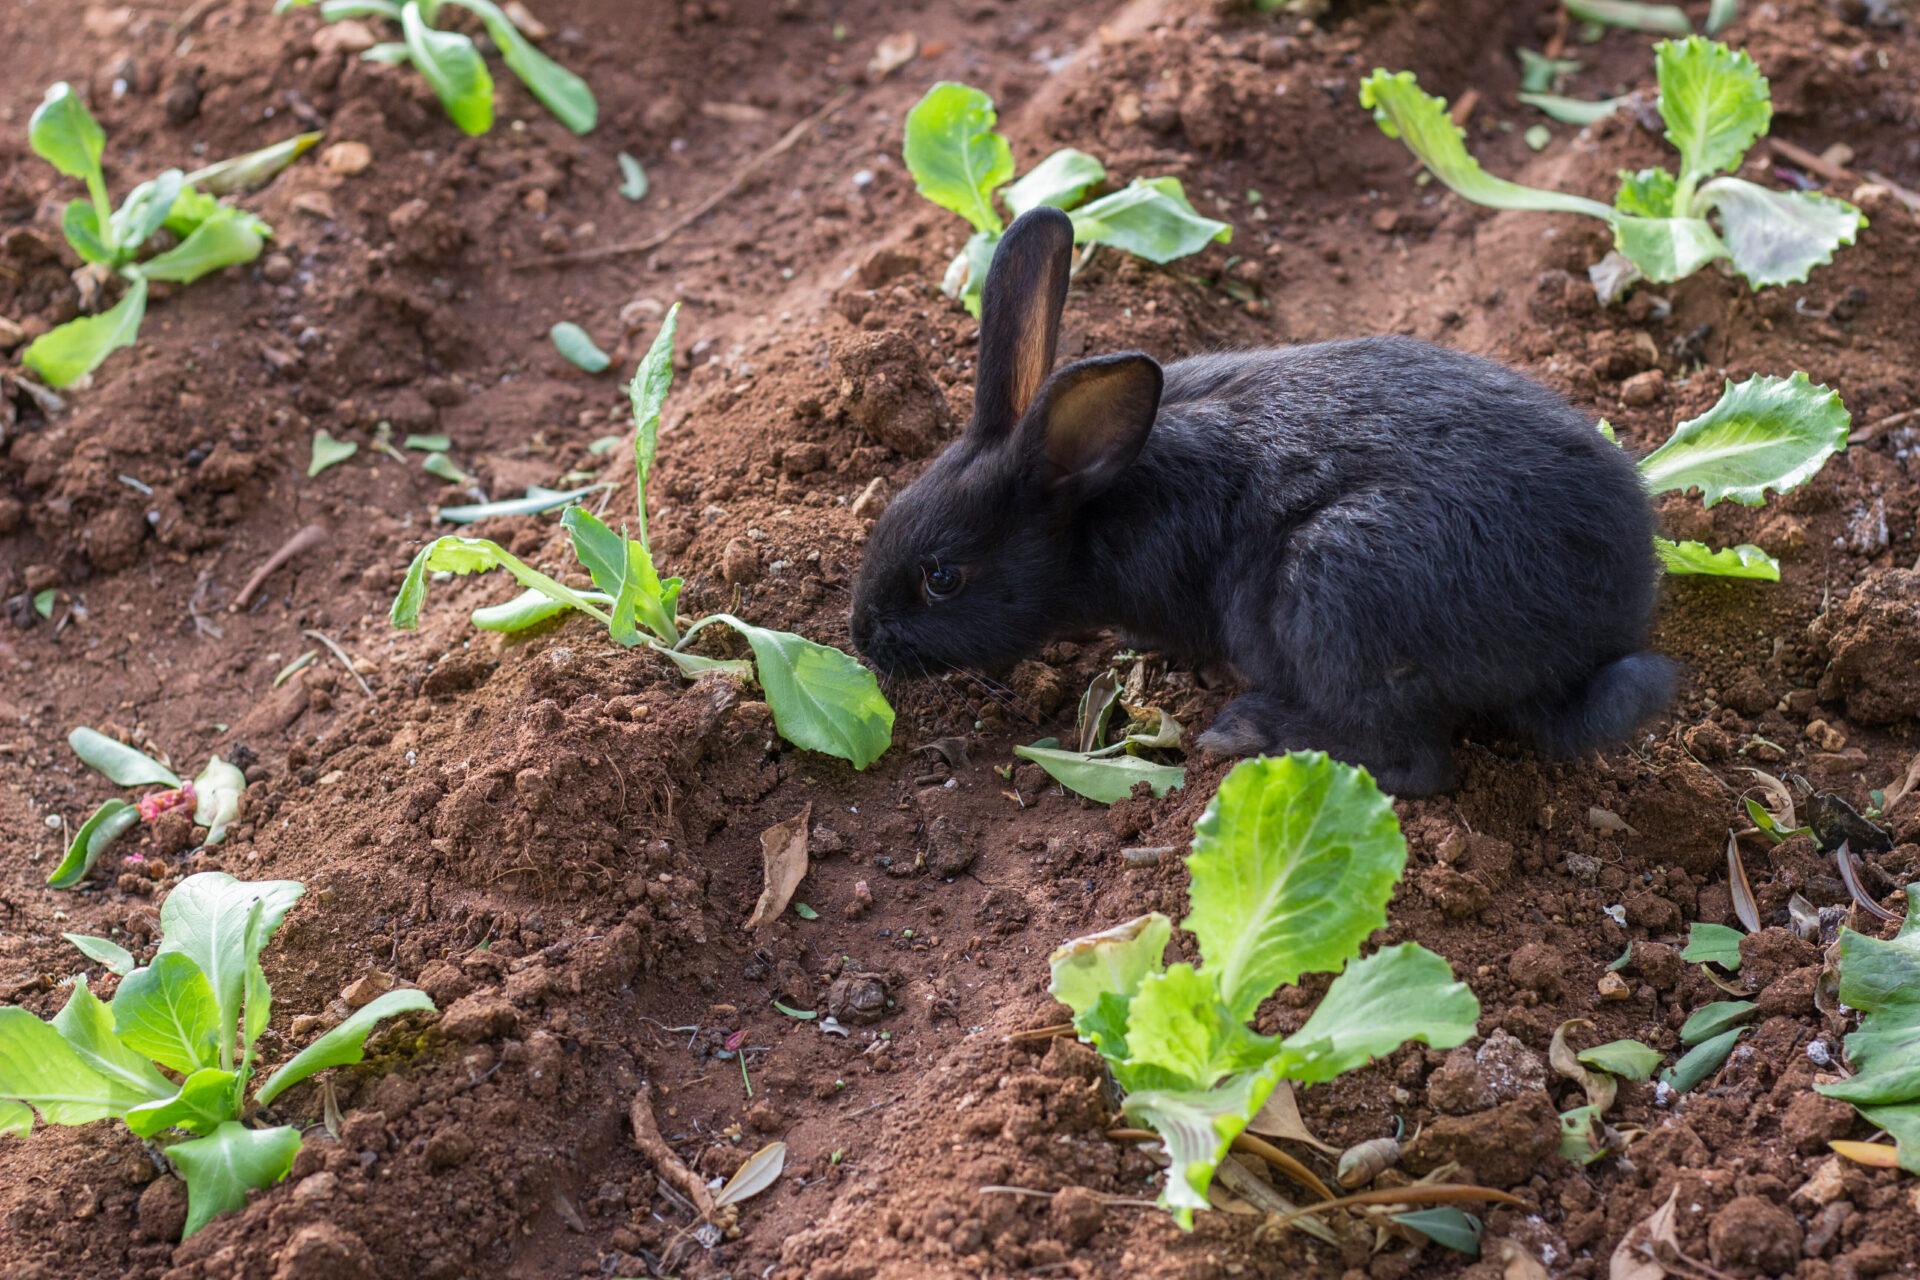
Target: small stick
(345,661)
(305,540)
(739,179)
(647,1139)
(1873,430)
(1040,1033)
(1252,1146)
(1832,172)
(1463,109)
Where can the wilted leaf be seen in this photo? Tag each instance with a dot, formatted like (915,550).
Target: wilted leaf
(783,862)
(755,1176)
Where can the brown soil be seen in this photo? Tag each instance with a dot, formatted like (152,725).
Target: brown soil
(560,840)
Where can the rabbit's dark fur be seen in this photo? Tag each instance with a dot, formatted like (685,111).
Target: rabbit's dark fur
(1387,541)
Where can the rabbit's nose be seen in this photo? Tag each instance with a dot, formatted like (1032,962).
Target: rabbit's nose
(861,624)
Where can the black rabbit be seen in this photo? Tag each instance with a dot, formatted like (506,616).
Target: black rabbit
(1387,541)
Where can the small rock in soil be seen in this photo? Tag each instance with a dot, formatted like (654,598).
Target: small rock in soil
(1774,952)
(1812,1121)
(449,1147)
(862,900)
(481,1016)
(162,1210)
(1752,1232)
(951,849)
(1790,995)
(1039,686)
(444,982)
(1500,1070)
(740,563)
(1538,967)
(347,157)
(367,988)
(1659,964)
(1643,389)
(858,997)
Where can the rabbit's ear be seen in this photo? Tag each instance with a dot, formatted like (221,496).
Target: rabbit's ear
(1020,318)
(1093,419)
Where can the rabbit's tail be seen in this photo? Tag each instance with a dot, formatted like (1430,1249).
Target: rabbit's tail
(1618,699)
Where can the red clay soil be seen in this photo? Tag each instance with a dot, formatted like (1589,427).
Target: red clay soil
(559,839)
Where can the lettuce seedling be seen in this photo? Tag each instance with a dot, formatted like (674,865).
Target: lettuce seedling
(1292,866)
(821,698)
(1882,981)
(210,234)
(959,162)
(1716,104)
(451,64)
(172,1054)
(1106,771)
(214,796)
(1765,433)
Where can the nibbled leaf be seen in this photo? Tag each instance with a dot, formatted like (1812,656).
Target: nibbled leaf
(440,466)
(1779,237)
(167,1011)
(105,952)
(43,601)
(226,239)
(64,134)
(255,168)
(113,819)
(209,918)
(64,355)
(329,452)
(39,1068)
(633,178)
(1108,966)
(437,443)
(536,501)
(1197,1127)
(1448,1227)
(1059,180)
(1710,1020)
(558,89)
(573,342)
(119,762)
(1382,1001)
(1292,865)
(1701,1061)
(1714,100)
(1404,111)
(1713,944)
(647,394)
(1105,779)
(201,1104)
(222,1167)
(1765,433)
(217,793)
(1697,558)
(458,555)
(1631,15)
(345,1044)
(1882,980)
(453,68)
(1628,1059)
(621,567)
(956,159)
(87,1025)
(821,698)
(1583,1135)
(1541,74)
(1150,218)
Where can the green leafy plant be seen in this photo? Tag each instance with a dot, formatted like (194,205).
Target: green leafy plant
(172,1054)
(1716,104)
(214,797)
(821,698)
(209,234)
(1103,770)
(451,64)
(1765,433)
(1882,980)
(1292,866)
(959,162)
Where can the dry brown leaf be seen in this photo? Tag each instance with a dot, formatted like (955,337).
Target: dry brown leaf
(1744,905)
(783,860)
(1633,1257)
(1875,1155)
(1279,1117)
(1901,789)
(1601,1086)
(1781,810)
(755,1176)
(892,53)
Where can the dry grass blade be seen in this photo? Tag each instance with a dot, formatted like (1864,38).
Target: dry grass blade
(1850,876)
(1279,1117)
(1744,905)
(1441,1193)
(1259,1193)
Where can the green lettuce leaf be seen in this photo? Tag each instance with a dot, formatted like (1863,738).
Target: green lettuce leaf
(118,762)
(1107,779)
(1765,433)
(80,224)
(821,699)
(253,169)
(1180,1035)
(1628,1059)
(39,1068)
(167,1011)
(201,1104)
(343,1045)
(1715,103)
(956,159)
(210,918)
(558,89)
(1700,1061)
(647,393)
(621,568)
(64,355)
(1882,981)
(453,68)
(528,609)
(1149,218)
(1646,193)
(1098,975)
(144,210)
(1712,944)
(1631,15)
(1667,249)
(64,134)
(1779,237)
(108,954)
(1710,1020)
(222,1167)
(1380,1003)
(1697,558)
(1197,1127)
(113,819)
(217,793)
(1293,863)
(1059,180)
(87,1025)
(458,555)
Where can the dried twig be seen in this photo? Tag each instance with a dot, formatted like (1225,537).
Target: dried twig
(1419,1193)
(1252,1146)
(1874,430)
(305,540)
(341,654)
(1040,1033)
(1822,167)
(673,1171)
(733,184)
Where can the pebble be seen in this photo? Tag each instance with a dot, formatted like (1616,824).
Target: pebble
(1643,389)
(347,157)
(739,563)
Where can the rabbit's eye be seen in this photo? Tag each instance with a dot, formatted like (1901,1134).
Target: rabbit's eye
(940,581)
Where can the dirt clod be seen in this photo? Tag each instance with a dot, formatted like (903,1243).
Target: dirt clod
(888,392)
(1756,1236)
(162,1211)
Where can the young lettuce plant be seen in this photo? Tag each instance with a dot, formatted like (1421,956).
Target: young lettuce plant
(1715,103)
(172,1054)
(214,795)
(1882,980)
(1765,433)
(452,66)
(1292,866)
(959,162)
(821,698)
(210,234)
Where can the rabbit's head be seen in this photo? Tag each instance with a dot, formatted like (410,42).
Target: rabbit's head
(972,566)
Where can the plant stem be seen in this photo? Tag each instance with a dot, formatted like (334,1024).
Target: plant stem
(102,210)
(743,1071)
(696,629)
